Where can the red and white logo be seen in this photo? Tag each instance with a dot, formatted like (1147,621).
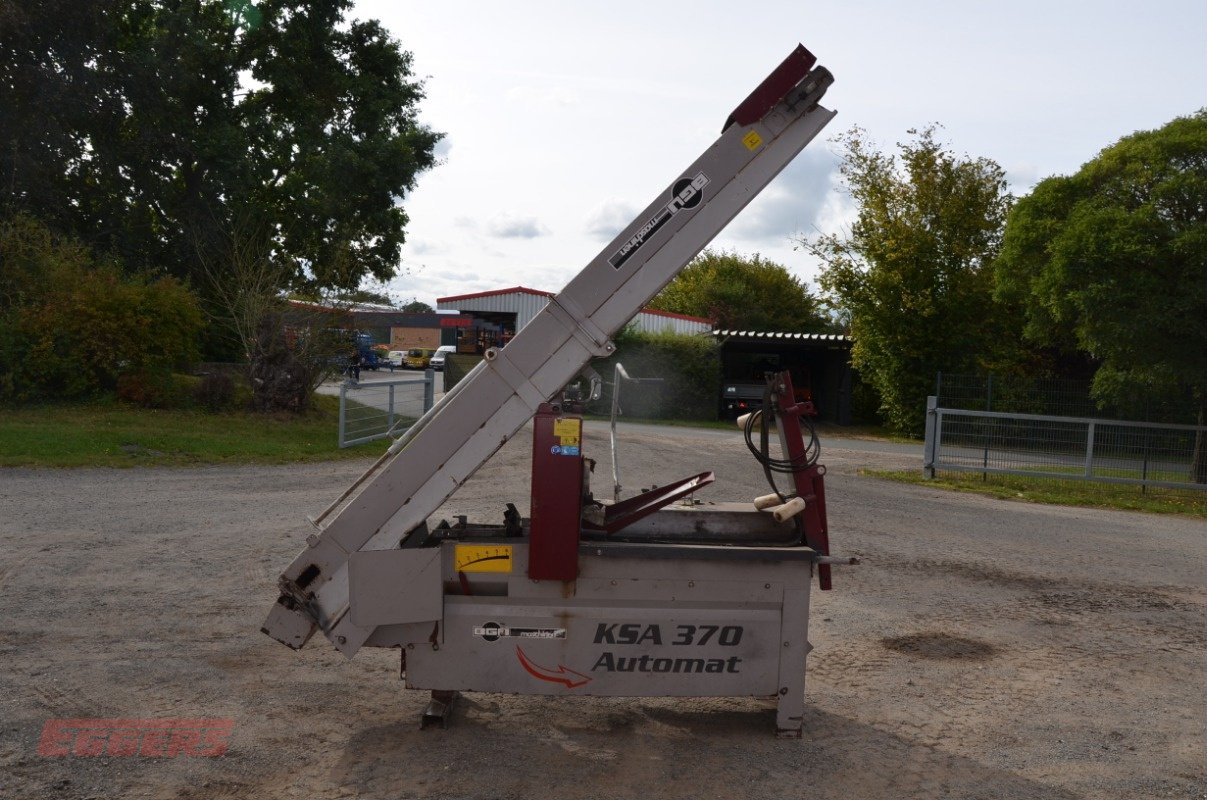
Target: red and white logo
(151,738)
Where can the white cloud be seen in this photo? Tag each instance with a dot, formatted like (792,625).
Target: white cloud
(543,95)
(793,203)
(421,247)
(516,226)
(443,148)
(609,218)
(1022,177)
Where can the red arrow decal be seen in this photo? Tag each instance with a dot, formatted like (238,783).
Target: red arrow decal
(563,674)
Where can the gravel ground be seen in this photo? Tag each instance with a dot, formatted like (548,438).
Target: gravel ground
(984,649)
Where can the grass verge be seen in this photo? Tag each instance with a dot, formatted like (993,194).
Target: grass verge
(1056,492)
(116,435)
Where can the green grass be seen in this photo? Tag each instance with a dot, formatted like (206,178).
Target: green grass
(111,434)
(1057,492)
(1107,472)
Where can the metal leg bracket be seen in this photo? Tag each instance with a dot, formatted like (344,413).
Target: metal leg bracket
(438,710)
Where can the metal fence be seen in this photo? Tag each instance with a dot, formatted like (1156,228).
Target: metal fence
(1064,397)
(1145,454)
(369,411)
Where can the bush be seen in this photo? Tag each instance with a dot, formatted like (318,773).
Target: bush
(215,392)
(688,368)
(157,389)
(71,326)
(865,402)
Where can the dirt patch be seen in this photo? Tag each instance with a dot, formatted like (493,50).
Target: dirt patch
(1102,599)
(941,646)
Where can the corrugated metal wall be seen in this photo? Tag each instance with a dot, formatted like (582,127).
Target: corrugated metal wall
(656,323)
(525,306)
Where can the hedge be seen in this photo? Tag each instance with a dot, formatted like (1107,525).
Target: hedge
(688,369)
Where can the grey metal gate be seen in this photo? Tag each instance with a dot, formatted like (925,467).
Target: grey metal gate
(377,409)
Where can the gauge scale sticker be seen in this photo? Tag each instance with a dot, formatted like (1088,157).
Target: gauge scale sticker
(482,558)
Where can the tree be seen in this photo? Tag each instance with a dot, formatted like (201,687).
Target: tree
(51,91)
(150,126)
(288,348)
(1112,261)
(914,271)
(742,293)
(417,307)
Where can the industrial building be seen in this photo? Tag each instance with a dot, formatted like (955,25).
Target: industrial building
(511,309)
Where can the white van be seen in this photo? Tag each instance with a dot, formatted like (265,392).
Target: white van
(437,362)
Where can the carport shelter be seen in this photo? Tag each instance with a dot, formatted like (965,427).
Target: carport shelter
(820,360)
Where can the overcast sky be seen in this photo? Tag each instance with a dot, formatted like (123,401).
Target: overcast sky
(563,119)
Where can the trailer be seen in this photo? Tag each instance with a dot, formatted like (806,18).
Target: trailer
(652,595)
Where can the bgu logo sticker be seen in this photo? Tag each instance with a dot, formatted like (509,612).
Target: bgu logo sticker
(151,738)
(686,194)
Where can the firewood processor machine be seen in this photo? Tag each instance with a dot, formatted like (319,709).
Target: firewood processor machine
(653,595)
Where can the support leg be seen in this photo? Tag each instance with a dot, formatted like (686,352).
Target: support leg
(438,710)
(794,630)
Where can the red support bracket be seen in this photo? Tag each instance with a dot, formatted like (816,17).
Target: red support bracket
(809,480)
(620,515)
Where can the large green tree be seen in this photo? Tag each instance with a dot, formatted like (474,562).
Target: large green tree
(152,129)
(742,293)
(1112,261)
(913,274)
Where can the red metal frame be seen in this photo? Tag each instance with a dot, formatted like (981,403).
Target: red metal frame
(557,494)
(774,87)
(809,481)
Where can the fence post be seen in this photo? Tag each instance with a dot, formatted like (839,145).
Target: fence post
(1144,473)
(390,410)
(930,447)
(343,412)
(1089,450)
(429,389)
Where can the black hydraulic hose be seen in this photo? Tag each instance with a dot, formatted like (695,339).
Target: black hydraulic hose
(762,452)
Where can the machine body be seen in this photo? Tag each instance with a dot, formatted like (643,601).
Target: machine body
(656,594)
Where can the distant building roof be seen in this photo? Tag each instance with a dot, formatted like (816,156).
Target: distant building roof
(493,293)
(358,308)
(781,336)
(537,292)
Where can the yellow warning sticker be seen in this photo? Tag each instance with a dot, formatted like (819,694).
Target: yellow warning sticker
(752,140)
(482,558)
(568,432)
(567,427)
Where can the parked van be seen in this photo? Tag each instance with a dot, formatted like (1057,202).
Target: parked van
(395,357)
(437,362)
(418,358)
